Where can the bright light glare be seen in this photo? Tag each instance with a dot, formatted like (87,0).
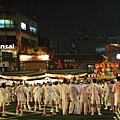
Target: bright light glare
(30,57)
(25,78)
(41,81)
(23,25)
(69,76)
(25,57)
(44,57)
(118,56)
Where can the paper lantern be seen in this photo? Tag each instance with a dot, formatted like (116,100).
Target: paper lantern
(116,65)
(103,70)
(112,65)
(101,65)
(108,64)
(108,69)
(97,65)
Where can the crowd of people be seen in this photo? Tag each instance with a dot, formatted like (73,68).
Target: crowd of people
(69,96)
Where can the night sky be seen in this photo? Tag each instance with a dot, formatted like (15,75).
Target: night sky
(59,20)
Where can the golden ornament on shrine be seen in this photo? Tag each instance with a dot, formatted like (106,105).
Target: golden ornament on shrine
(106,69)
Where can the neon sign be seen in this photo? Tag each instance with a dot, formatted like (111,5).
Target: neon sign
(65,65)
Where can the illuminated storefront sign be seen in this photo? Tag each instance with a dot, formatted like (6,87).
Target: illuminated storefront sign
(7,46)
(33,57)
(66,64)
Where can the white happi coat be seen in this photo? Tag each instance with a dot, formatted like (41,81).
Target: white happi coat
(83,93)
(20,93)
(8,92)
(64,92)
(29,93)
(106,90)
(49,93)
(57,92)
(3,96)
(43,87)
(37,93)
(13,90)
(64,96)
(73,92)
(94,90)
(111,94)
(116,90)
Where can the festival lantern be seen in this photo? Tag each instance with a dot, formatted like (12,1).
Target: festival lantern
(106,70)
(101,65)
(108,64)
(97,65)
(103,70)
(112,65)
(116,65)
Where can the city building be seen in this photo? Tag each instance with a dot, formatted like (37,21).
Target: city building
(74,61)
(17,31)
(113,48)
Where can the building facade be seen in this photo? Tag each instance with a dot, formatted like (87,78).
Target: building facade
(16,32)
(113,48)
(74,61)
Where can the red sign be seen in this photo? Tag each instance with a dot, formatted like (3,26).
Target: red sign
(65,65)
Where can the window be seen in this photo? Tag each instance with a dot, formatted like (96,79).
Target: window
(23,25)
(33,29)
(2,24)
(9,24)
(6,23)
(33,43)
(25,41)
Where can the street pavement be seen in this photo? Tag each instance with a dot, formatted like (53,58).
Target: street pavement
(37,115)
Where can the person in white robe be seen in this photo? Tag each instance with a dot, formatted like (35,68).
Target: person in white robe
(116,91)
(73,96)
(95,91)
(13,93)
(111,94)
(64,96)
(8,88)
(31,88)
(37,92)
(29,95)
(106,94)
(83,98)
(20,92)
(57,95)
(3,98)
(49,98)
(43,87)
